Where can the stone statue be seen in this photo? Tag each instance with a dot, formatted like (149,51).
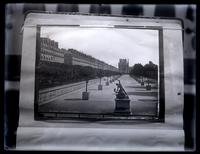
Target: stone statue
(122,101)
(120,92)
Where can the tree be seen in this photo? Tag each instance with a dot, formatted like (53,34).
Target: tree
(137,70)
(151,70)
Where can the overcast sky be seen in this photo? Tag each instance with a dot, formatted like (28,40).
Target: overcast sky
(108,45)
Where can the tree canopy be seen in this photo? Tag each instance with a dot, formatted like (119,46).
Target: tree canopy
(148,70)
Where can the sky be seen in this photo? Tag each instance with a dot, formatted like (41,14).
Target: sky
(108,44)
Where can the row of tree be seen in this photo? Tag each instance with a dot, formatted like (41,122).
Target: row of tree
(53,74)
(149,70)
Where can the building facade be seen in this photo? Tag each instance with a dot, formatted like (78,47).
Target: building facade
(123,66)
(50,51)
(74,57)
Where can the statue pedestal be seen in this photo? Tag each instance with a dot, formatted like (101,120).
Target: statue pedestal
(85,95)
(122,106)
(100,87)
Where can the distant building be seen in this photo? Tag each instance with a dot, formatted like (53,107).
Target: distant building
(123,66)
(50,51)
(74,57)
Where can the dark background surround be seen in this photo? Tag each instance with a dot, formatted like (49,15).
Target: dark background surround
(14,19)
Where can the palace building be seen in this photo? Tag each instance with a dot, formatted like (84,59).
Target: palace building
(50,51)
(123,66)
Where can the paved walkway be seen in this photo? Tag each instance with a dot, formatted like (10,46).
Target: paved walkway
(142,102)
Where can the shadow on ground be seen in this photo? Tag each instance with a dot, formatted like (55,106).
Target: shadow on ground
(73,99)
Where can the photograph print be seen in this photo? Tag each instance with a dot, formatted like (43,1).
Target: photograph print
(99,73)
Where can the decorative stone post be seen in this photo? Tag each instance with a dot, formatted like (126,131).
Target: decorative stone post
(85,94)
(100,87)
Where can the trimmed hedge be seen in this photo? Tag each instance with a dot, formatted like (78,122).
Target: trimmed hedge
(54,74)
